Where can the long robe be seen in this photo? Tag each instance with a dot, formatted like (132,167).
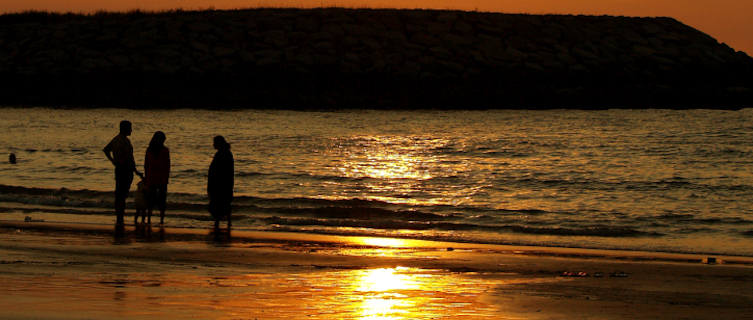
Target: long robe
(220,183)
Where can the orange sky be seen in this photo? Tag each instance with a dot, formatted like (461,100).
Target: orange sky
(729,21)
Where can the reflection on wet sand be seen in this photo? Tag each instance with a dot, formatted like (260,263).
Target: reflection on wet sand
(383,293)
(140,232)
(385,242)
(220,237)
(381,288)
(45,272)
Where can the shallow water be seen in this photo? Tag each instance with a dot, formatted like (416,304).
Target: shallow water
(401,293)
(655,180)
(160,282)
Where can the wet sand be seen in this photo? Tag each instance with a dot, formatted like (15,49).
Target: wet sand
(75,271)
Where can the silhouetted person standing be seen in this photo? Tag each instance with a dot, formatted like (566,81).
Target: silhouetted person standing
(220,183)
(12,158)
(120,152)
(157,170)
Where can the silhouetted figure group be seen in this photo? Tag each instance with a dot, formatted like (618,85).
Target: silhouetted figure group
(152,189)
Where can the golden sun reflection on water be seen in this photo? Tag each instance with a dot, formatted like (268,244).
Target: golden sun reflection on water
(387,166)
(403,169)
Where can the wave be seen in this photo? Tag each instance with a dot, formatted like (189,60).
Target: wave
(596,230)
(677,183)
(357,213)
(298,206)
(58,150)
(724,152)
(192,173)
(689,218)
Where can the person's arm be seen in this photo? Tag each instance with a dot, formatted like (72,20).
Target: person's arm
(133,164)
(232,173)
(137,171)
(107,150)
(168,163)
(228,173)
(147,163)
(210,176)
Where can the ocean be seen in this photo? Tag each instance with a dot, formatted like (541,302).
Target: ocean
(651,180)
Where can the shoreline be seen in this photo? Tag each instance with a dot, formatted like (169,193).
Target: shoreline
(46,268)
(171,234)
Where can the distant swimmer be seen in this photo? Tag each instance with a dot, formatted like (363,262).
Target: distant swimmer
(12,158)
(120,152)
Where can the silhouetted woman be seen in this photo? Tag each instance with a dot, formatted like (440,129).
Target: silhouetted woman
(157,169)
(220,184)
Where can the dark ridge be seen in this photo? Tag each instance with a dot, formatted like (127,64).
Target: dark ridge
(345,58)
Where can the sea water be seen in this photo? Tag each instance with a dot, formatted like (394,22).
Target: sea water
(655,180)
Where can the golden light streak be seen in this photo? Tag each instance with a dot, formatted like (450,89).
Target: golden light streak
(384,300)
(385,242)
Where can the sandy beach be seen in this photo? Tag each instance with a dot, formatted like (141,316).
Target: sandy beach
(74,271)
(375,162)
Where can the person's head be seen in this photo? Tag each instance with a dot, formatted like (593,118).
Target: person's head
(157,142)
(125,128)
(220,143)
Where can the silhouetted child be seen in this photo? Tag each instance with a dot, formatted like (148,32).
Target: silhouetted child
(140,202)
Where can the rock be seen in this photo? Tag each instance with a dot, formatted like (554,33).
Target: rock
(304,59)
(325,46)
(119,60)
(440,52)
(358,30)
(425,39)
(334,31)
(349,67)
(447,17)
(514,54)
(437,28)
(641,50)
(276,38)
(371,44)
(223,51)
(477,57)
(89,65)
(308,25)
(556,52)
(456,41)
(565,58)
(324,59)
(651,28)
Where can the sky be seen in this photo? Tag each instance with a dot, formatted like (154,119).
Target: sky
(729,21)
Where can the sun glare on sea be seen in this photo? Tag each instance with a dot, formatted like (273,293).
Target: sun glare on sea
(386,165)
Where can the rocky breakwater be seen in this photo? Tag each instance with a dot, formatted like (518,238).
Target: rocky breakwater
(342,58)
